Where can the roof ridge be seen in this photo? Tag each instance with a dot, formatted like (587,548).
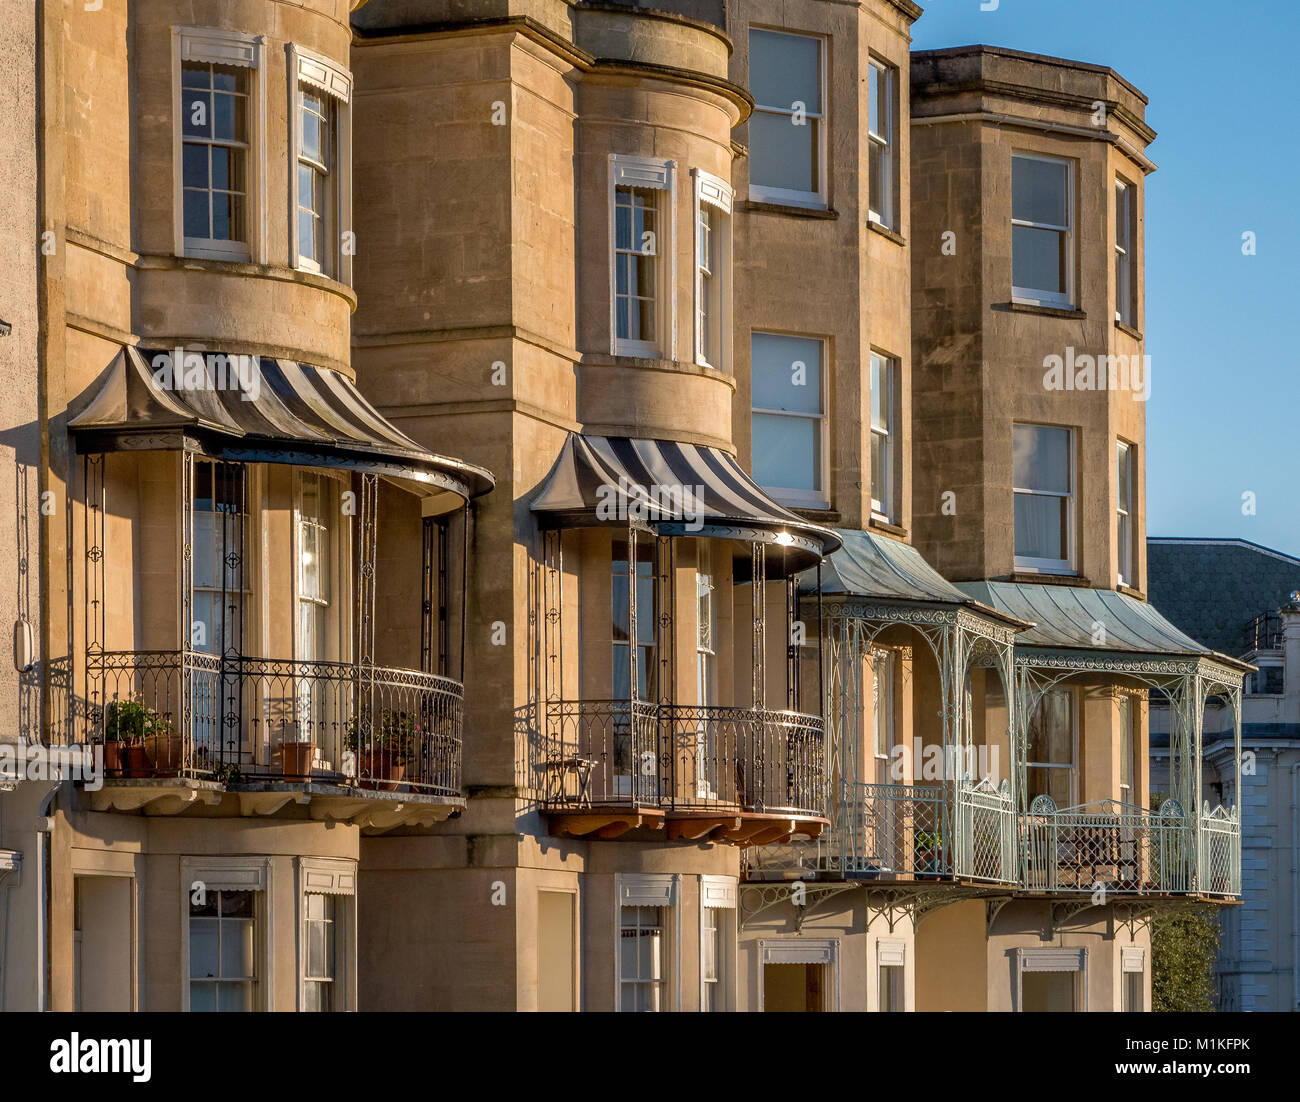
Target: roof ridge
(1223,541)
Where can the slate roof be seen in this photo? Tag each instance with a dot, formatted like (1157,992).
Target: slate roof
(1211,588)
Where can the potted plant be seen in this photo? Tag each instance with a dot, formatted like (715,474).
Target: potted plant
(297,754)
(381,755)
(126,725)
(929,847)
(162,746)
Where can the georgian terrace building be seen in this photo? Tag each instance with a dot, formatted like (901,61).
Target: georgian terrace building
(562,511)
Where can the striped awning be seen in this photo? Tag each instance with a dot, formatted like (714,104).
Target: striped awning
(257,409)
(673,488)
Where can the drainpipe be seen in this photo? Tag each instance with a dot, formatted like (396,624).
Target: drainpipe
(43,872)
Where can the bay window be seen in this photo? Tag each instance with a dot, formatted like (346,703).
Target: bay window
(789,445)
(219,104)
(642,248)
(1043,461)
(787,156)
(1124,513)
(1125,254)
(1042,230)
(713,204)
(883,436)
(321,184)
(882,137)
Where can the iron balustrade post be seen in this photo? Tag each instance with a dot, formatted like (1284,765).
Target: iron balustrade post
(94,583)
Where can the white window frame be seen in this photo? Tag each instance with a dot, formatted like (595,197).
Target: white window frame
(335,876)
(819,497)
(662,890)
(891,953)
(815,200)
(1035,296)
(802,950)
(1132,961)
(1125,252)
(1073,767)
(884,509)
(1053,960)
(885,213)
(212,46)
(236,874)
(711,191)
(1128,703)
(720,894)
(329,78)
(1026,564)
(1126,548)
(654,175)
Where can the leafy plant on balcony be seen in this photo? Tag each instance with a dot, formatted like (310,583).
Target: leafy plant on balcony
(391,730)
(131,720)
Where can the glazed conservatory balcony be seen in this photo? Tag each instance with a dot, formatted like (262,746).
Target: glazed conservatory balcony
(734,774)
(905,832)
(1131,850)
(342,737)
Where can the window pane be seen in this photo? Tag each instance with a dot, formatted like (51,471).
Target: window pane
(195,165)
(779,382)
(1042,458)
(311,132)
(1126,742)
(235,998)
(196,108)
(227,169)
(203,998)
(228,118)
(880,472)
(1040,191)
(783,155)
(1123,478)
(876,180)
(880,396)
(1038,259)
(197,222)
(317,962)
(203,947)
(1041,527)
(237,947)
(196,74)
(879,102)
(786,452)
(785,69)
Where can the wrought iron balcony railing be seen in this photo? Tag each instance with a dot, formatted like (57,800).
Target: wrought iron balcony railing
(1263,632)
(965,830)
(238,719)
(1125,849)
(610,753)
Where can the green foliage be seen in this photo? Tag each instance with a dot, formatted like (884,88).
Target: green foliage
(131,720)
(1183,948)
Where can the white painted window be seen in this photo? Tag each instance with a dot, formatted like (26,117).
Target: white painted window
(1042,230)
(1132,979)
(1044,499)
(218,92)
(1127,749)
(718,895)
(882,136)
(1125,253)
(713,295)
(789,444)
(322,171)
(327,957)
(884,438)
(641,269)
(787,140)
(882,694)
(647,941)
(1124,512)
(226,913)
(1051,767)
(891,965)
(1051,980)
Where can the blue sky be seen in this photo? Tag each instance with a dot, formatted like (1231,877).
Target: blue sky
(1223,79)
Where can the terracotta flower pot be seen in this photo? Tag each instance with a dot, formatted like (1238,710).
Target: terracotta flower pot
(296,758)
(136,760)
(113,759)
(164,753)
(378,770)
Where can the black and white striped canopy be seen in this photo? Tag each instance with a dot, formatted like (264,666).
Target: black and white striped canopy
(257,410)
(675,488)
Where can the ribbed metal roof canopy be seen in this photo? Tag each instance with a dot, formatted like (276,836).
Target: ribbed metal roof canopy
(258,409)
